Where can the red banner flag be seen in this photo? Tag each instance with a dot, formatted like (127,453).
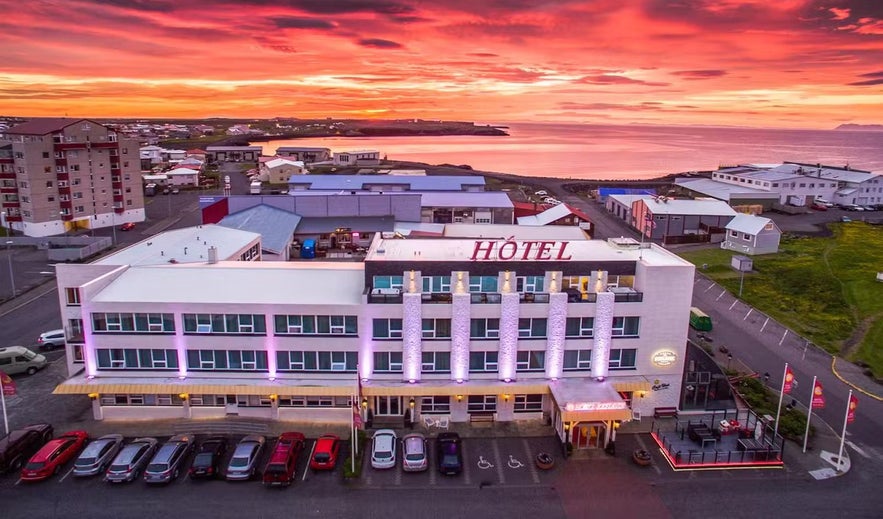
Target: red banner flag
(789,380)
(818,399)
(7,383)
(850,414)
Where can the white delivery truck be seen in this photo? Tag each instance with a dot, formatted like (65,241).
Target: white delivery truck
(255,187)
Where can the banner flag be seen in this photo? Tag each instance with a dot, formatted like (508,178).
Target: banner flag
(853,403)
(789,380)
(818,399)
(8,384)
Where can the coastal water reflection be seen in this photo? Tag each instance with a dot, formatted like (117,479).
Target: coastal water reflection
(619,152)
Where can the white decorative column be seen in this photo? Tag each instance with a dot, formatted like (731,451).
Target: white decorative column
(412,336)
(460,331)
(508,352)
(603,334)
(556,330)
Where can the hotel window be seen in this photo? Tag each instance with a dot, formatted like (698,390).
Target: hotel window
(577,360)
(306,401)
(72,296)
(484,328)
(436,362)
(387,282)
(623,359)
(579,327)
(227,360)
(387,329)
(483,284)
(482,361)
(436,284)
(311,361)
(529,284)
(245,324)
(435,404)
(436,328)
(625,326)
(75,329)
(128,358)
(387,362)
(530,361)
(528,403)
(532,327)
(482,403)
(316,324)
(133,323)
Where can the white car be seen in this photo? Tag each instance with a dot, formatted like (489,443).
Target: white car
(541,193)
(383,449)
(51,339)
(414,455)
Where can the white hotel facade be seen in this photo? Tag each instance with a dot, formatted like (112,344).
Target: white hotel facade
(584,334)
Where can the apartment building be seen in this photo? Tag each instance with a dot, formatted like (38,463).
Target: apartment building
(70,174)
(584,333)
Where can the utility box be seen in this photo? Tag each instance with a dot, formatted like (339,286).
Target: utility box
(742,263)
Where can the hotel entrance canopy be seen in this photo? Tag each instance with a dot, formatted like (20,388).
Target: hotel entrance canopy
(588,400)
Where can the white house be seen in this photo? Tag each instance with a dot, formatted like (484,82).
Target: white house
(183,177)
(280,170)
(357,158)
(750,234)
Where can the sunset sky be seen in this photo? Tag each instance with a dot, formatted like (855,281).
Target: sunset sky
(765,63)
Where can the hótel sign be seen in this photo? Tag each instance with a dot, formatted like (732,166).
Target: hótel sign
(528,250)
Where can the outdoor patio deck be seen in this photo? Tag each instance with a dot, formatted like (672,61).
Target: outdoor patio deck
(718,440)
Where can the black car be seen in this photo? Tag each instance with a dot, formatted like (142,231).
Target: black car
(19,445)
(450,453)
(208,459)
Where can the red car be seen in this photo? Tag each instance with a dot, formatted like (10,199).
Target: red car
(325,454)
(128,226)
(51,457)
(281,469)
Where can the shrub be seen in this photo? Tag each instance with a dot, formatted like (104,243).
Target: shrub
(348,472)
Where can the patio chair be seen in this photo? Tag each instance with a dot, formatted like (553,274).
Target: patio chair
(442,422)
(429,422)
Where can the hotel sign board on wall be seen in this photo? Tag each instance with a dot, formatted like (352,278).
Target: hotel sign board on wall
(664,358)
(527,250)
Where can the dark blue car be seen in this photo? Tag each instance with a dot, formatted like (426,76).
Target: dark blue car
(450,453)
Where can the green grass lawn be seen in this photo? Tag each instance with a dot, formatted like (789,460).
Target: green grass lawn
(825,289)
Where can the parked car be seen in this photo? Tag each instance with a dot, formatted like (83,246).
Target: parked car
(207,463)
(19,445)
(822,201)
(50,459)
(450,453)
(169,459)
(414,455)
(98,455)
(51,339)
(128,226)
(845,219)
(541,192)
(819,207)
(18,359)
(282,467)
(243,464)
(869,207)
(325,453)
(131,460)
(175,190)
(166,190)
(383,449)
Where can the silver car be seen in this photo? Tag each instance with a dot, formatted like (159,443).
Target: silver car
(414,455)
(169,459)
(96,457)
(243,464)
(130,462)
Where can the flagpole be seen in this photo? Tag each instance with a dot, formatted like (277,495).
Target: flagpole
(3,400)
(809,413)
(779,409)
(843,436)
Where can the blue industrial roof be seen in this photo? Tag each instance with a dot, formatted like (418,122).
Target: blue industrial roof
(275,226)
(604,192)
(414,183)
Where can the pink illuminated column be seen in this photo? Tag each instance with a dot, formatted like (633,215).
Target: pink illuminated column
(270,345)
(603,334)
(180,345)
(412,336)
(89,358)
(556,330)
(460,330)
(508,353)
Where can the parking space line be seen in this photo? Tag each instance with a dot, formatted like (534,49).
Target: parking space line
(467,470)
(532,466)
(307,467)
(432,475)
(500,472)
(68,473)
(397,480)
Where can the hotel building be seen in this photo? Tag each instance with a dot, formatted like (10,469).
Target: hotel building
(70,174)
(583,334)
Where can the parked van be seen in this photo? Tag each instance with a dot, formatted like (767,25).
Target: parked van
(308,249)
(699,320)
(18,359)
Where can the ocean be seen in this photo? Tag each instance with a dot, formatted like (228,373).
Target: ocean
(613,152)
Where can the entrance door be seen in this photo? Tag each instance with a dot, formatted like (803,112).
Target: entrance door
(588,436)
(387,406)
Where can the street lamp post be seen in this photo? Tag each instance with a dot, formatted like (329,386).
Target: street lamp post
(729,360)
(11,274)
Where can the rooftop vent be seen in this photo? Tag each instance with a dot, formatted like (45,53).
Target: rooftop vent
(624,243)
(212,255)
